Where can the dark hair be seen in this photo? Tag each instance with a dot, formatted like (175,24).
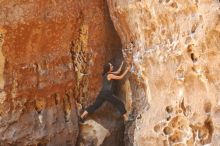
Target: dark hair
(106,68)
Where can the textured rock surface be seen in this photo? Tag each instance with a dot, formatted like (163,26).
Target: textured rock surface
(51,55)
(175,50)
(92,133)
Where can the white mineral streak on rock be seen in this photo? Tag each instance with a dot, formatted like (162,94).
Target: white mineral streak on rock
(40,117)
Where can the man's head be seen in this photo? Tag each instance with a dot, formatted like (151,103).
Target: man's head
(108,67)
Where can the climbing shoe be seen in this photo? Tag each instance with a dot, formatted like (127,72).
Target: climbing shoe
(81,120)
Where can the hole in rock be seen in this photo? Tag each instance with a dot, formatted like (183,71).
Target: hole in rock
(139,116)
(167,130)
(207,107)
(174,5)
(190,52)
(169,109)
(189,48)
(194,27)
(157,128)
(168,118)
(193,57)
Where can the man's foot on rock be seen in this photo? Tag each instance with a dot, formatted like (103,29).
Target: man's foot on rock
(81,120)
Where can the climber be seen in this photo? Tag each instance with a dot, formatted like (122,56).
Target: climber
(106,93)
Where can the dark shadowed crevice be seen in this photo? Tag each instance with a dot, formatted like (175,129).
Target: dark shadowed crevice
(107,115)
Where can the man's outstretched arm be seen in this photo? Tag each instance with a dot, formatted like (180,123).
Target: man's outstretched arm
(119,69)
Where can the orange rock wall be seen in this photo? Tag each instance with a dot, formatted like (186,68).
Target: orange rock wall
(51,56)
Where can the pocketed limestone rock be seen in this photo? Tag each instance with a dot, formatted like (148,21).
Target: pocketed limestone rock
(175,58)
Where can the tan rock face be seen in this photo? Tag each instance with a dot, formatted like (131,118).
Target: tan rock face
(51,55)
(174,48)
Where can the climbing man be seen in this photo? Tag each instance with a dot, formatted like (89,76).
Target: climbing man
(106,93)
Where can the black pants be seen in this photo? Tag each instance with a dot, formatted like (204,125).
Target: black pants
(106,96)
